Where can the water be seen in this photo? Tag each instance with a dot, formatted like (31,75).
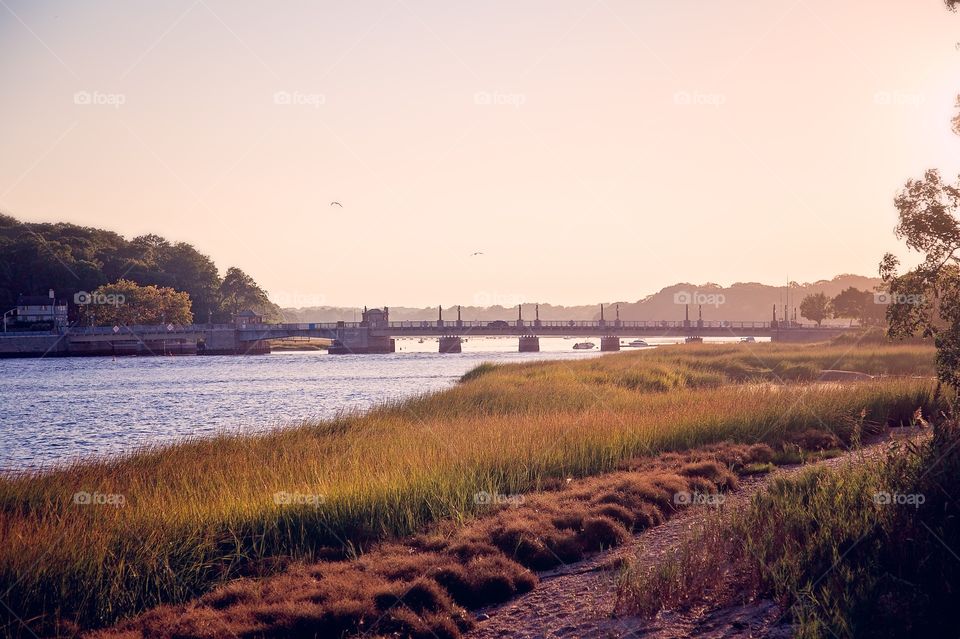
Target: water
(59,409)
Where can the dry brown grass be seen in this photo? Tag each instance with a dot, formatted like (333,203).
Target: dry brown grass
(424,586)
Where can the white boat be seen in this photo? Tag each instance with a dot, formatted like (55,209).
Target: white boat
(638,343)
(583,346)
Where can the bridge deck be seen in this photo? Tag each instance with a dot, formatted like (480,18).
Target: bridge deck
(572,328)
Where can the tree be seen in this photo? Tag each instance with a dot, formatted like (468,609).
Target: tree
(239,292)
(71,259)
(926,300)
(868,308)
(815,307)
(125,303)
(194,273)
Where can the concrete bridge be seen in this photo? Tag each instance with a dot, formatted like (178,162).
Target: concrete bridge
(377,334)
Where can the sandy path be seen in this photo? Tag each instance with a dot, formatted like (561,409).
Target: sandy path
(576,601)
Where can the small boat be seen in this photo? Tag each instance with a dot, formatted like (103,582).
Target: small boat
(694,340)
(583,346)
(638,343)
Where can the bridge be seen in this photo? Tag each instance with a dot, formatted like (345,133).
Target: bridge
(377,334)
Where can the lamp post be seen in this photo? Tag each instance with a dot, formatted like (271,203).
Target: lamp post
(53,310)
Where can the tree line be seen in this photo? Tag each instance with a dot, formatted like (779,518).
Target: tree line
(866,307)
(108,279)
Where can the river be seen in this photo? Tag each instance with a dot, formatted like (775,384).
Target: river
(60,409)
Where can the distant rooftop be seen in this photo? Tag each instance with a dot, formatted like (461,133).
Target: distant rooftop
(37,300)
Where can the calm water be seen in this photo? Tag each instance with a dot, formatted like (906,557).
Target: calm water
(62,408)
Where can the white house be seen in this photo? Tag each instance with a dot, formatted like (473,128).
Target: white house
(40,308)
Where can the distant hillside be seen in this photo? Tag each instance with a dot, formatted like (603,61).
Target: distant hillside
(740,302)
(748,301)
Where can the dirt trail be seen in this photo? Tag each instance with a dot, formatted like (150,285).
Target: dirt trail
(576,601)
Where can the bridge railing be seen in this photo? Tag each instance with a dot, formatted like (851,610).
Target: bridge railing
(505,325)
(142,329)
(596,324)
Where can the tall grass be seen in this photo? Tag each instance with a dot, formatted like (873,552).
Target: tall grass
(199,512)
(868,550)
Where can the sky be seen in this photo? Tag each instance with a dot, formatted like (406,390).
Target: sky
(591,150)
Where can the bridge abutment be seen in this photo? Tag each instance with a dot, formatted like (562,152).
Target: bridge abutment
(362,343)
(529,344)
(610,343)
(450,344)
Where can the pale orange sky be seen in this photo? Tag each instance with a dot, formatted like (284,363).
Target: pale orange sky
(593,150)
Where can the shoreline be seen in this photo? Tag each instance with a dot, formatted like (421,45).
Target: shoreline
(541,421)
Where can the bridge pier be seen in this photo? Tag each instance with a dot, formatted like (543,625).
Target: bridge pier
(362,345)
(529,344)
(450,344)
(610,343)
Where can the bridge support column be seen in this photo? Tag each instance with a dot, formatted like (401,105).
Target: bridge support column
(610,343)
(450,344)
(362,344)
(529,344)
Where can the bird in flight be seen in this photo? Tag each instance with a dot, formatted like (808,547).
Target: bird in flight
(476,253)
(337,203)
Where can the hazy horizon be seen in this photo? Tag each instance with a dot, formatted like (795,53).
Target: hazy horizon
(590,150)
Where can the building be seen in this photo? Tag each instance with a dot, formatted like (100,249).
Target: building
(247,317)
(32,309)
(376,317)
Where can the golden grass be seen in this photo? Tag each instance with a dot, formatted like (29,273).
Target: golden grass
(199,512)
(423,586)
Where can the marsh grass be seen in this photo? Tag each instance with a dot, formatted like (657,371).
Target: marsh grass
(200,512)
(867,550)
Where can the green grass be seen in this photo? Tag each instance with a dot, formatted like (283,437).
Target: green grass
(200,512)
(868,550)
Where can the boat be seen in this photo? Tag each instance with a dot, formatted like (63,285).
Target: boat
(694,340)
(583,346)
(638,343)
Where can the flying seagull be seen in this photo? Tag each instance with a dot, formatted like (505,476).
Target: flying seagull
(337,203)
(477,253)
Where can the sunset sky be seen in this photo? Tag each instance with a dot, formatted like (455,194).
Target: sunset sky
(591,149)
